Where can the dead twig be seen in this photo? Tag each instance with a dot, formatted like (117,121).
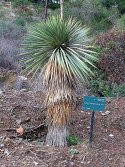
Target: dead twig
(9,129)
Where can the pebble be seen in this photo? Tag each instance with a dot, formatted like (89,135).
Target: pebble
(36,163)
(23,78)
(88,127)
(106,113)
(111,135)
(6,152)
(88,162)
(18,121)
(105,139)
(1,145)
(72,163)
(1,92)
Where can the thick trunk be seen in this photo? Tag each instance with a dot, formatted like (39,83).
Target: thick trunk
(57,136)
(59,100)
(58,117)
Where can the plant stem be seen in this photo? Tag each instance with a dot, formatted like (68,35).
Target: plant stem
(62,9)
(46,9)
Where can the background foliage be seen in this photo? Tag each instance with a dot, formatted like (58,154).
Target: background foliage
(106,18)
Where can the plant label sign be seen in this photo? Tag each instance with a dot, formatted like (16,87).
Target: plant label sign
(94,103)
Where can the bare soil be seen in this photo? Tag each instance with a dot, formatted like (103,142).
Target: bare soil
(26,109)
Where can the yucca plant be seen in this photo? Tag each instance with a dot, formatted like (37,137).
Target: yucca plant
(61,50)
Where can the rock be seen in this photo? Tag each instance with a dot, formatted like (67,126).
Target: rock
(18,121)
(22,83)
(106,113)
(7,139)
(105,139)
(111,135)
(1,145)
(88,162)
(82,162)
(23,78)
(1,92)
(35,163)
(72,163)
(6,152)
(88,127)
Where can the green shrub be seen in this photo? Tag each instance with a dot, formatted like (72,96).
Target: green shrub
(120,4)
(39,8)
(20,21)
(101,87)
(4,12)
(54,6)
(120,23)
(109,80)
(108,3)
(74,151)
(92,13)
(118,90)
(72,140)
(112,55)
(7,26)
(101,26)
(20,2)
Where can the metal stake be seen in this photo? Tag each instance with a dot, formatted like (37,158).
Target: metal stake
(91,130)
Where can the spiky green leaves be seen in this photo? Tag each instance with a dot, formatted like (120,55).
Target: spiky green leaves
(63,42)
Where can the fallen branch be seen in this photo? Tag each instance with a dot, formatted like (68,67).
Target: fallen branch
(9,130)
(41,126)
(35,129)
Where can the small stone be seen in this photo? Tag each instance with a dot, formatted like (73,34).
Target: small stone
(108,100)
(23,78)
(36,163)
(88,162)
(88,127)
(72,163)
(1,92)
(82,162)
(111,135)
(1,145)
(7,139)
(18,121)
(6,152)
(23,90)
(106,113)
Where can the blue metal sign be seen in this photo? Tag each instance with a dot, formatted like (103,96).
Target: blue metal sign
(93,103)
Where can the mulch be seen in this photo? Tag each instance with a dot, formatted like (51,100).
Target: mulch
(26,109)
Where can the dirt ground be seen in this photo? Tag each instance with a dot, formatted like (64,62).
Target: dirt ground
(21,108)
